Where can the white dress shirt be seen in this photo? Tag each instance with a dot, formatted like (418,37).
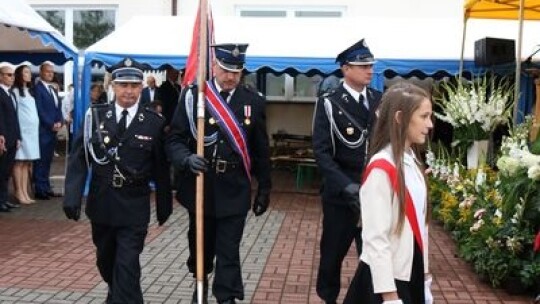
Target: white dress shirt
(132,111)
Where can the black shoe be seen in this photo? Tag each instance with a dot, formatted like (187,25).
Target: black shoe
(12,205)
(4,208)
(229,301)
(53,194)
(41,196)
(205,293)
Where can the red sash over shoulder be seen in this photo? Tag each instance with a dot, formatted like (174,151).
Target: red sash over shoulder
(409,205)
(228,124)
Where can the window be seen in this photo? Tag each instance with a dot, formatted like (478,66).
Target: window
(275,86)
(318,14)
(82,27)
(291,12)
(56,18)
(305,86)
(270,14)
(287,88)
(90,26)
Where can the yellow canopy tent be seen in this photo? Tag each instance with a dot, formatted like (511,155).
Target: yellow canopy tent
(502,9)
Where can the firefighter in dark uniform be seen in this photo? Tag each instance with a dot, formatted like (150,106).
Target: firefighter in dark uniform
(342,123)
(123,145)
(227,186)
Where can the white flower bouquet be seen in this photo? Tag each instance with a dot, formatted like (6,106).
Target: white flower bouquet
(475,108)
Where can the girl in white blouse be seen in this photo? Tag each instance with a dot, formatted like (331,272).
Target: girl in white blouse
(394,262)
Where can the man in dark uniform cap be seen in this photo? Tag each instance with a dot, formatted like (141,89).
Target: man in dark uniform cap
(341,126)
(123,145)
(227,184)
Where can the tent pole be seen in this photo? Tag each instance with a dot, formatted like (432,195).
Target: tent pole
(518,60)
(463,36)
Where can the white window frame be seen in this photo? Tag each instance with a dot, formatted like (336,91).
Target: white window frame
(69,12)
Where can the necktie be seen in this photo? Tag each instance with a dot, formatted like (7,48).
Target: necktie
(53,94)
(122,123)
(13,99)
(363,101)
(224,95)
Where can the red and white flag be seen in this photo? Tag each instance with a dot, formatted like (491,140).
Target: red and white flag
(192,64)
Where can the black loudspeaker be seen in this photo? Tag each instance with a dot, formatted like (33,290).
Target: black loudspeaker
(491,51)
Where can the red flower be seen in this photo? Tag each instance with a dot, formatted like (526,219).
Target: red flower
(537,242)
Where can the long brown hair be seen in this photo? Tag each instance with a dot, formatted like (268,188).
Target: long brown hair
(401,97)
(20,83)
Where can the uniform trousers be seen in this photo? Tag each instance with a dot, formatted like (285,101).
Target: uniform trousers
(410,292)
(42,166)
(222,237)
(118,251)
(339,230)
(6,165)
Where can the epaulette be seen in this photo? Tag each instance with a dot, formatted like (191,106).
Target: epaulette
(329,93)
(154,112)
(253,90)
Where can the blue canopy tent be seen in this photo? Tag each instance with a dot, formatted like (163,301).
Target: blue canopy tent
(404,46)
(26,36)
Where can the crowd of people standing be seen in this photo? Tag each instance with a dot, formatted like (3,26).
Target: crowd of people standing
(30,118)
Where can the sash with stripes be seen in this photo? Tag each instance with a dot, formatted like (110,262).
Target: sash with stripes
(228,124)
(410,211)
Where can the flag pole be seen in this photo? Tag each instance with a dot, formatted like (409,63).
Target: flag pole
(199,195)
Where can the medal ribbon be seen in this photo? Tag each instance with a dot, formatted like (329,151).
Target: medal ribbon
(228,123)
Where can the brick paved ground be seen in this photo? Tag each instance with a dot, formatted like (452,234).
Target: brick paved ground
(47,259)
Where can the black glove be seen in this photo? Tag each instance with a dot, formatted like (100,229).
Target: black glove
(352,197)
(196,163)
(261,202)
(72,212)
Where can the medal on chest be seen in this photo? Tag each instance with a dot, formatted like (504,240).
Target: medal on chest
(247,114)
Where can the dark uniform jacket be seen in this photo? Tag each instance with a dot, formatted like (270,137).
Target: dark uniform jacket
(9,121)
(168,93)
(226,193)
(339,164)
(140,150)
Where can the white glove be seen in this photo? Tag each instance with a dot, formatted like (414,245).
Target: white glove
(393,302)
(427,291)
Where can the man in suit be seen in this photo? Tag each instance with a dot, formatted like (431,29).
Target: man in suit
(9,132)
(49,109)
(341,126)
(168,93)
(124,148)
(235,118)
(149,92)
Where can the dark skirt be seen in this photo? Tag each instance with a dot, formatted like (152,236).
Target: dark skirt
(411,292)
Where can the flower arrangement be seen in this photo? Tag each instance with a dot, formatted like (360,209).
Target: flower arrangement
(494,216)
(474,108)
